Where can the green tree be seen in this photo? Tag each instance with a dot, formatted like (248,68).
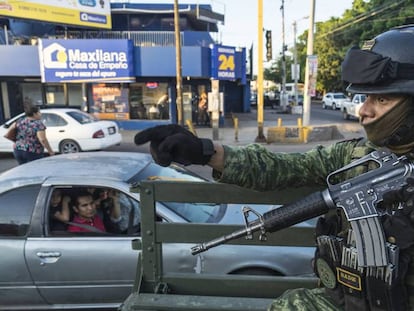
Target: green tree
(334,37)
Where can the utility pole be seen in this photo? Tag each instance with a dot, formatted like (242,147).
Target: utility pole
(260,136)
(283,96)
(309,53)
(295,63)
(179,98)
(296,70)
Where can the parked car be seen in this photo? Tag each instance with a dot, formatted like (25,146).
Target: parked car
(350,108)
(70,130)
(46,269)
(271,100)
(333,100)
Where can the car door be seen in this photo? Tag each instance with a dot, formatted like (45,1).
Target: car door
(17,287)
(56,128)
(73,268)
(329,99)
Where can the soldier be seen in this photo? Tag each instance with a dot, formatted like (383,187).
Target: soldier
(383,69)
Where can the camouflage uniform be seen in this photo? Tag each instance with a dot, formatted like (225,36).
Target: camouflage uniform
(257,168)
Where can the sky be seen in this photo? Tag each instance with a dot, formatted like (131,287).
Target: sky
(241,16)
(240,25)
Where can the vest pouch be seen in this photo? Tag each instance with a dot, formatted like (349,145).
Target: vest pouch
(383,296)
(354,290)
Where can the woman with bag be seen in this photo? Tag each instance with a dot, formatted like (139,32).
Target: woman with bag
(11,132)
(31,138)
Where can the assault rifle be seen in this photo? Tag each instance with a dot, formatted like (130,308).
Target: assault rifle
(357,196)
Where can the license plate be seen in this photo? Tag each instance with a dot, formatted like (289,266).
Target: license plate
(111,130)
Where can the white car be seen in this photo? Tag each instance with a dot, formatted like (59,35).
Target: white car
(70,130)
(333,100)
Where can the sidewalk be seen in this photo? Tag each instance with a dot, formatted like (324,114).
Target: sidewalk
(248,130)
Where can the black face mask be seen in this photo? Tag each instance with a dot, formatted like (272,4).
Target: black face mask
(395,129)
(366,67)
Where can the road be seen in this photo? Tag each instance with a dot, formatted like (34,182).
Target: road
(318,116)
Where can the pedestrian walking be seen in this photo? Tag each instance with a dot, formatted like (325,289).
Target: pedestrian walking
(31,140)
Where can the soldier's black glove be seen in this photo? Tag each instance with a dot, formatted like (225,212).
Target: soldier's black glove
(173,143)
(398,223)
(404,195)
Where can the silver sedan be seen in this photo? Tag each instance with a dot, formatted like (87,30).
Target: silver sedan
(49,269)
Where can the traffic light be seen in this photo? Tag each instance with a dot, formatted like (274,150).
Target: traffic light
(268,45)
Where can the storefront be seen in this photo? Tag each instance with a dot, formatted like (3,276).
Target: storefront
(135,86)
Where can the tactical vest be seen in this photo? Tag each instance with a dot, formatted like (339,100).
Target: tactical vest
(358,288)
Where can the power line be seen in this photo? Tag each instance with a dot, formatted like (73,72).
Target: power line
(360,18)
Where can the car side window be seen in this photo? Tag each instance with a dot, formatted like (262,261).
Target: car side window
(51,120)
(16,208)
(96,211)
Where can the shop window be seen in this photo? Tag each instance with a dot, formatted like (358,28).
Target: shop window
(149,100)
(110,101)
(75,95)
(55,95)
(32,93)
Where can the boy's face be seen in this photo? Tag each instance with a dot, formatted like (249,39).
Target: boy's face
(86,207)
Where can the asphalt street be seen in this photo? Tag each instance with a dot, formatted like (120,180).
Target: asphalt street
(246,133)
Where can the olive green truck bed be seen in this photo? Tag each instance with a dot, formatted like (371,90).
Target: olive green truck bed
(156,290)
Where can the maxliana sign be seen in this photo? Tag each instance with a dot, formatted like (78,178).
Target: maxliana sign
(80,60)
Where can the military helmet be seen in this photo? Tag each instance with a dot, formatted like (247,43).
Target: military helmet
(383,65)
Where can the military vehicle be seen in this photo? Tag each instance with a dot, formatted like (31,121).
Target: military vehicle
(155,289)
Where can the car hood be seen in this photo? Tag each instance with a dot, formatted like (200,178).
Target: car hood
(234,214)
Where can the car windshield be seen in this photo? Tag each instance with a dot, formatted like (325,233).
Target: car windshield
(192,212)
(81,117)
(339,96)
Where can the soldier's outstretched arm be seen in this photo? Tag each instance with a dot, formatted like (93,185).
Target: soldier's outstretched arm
(173,143)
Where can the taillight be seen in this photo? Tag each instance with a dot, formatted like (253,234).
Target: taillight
(98,134)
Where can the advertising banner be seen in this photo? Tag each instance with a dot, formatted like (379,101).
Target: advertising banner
(110,102)
(228,63)
(312,62)
(86,60)
(87,13)
(223,62)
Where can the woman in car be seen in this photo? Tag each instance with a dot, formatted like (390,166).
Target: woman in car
(59,210)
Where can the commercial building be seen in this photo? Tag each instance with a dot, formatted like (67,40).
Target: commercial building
(126,73)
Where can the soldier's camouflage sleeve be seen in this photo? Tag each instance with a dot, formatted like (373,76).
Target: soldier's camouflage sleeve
(304,299)
(257,168)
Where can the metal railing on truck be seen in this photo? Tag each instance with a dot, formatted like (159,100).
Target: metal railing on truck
(155,289)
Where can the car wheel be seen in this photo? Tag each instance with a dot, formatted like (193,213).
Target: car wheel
(333,106)
(323,105)
(69,146)
(257,271)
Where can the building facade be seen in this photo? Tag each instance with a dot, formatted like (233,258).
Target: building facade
(127,74)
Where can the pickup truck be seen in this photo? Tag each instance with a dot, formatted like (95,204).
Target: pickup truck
(350,108)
